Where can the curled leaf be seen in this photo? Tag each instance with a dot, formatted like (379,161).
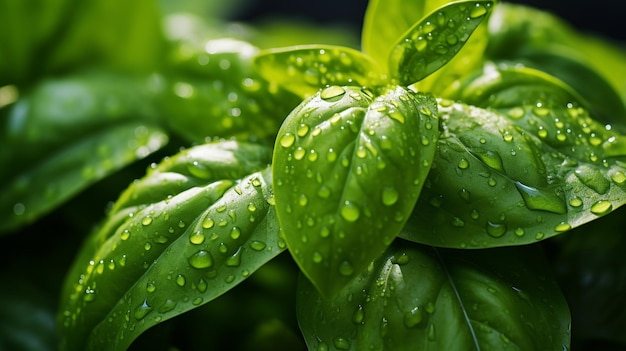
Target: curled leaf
(348,168)
(435,40)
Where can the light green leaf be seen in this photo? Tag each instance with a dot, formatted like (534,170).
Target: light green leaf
(387,20)
(43,185)
(532,166)
(306,69)
(156,259)
(348,168)
(423,298)
(435,40)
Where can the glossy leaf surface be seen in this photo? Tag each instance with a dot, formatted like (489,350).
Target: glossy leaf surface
(305,69)
(517,173)
(348,168)
(192,234)
(435,40)
(422,298)
(387,20)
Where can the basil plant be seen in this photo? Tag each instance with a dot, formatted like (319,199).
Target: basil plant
(449,183)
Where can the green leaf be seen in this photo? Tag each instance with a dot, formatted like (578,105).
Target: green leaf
(153,260)
(212,90)
(532,166)
(306,69)
(590,269)
(348,168)
(435,40)
(387,20)
(422,298)
(46,184)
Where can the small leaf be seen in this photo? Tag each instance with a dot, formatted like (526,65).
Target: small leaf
(422,298)
(348,169)
(386,20)
(44,185)
(434,41)
(305,69)
(518,172)
(158,258)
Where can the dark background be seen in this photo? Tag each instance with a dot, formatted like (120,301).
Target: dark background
(604,17)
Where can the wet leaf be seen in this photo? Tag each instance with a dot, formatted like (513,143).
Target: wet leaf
(435,40)
(348,168)
(305,69)
(422,298)
(42,186)
(518,172)
(387,20)
(158,258)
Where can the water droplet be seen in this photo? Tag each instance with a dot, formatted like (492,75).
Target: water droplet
(180,280)
(287,140)
(496,230)
(332,93)
(413,317)
(299,153)
(167,306)
(593,178)
(519,231)
(463,163)
(317,257)
(601,207)
(341,344)
(346,269)
(397,116)
(389,196)
(303,129)
(465,195)
(147,220)
(235,259)
(208,223)
(303,200)
(201,259)
(125,234)
(322,346)
(197,238)
(618,177)
(562,227)
(324,192)
(477,11)
(235,233)
(491,159)
(358,317)
(575,201)
(89,295)
(539,199)
(257,245)
(142,310)
(350,211)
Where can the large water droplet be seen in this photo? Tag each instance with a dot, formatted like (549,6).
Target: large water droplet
(350,211)
(601,207)
(287,140)
(413,317)
(358,317)
(495,230)
(201,259)
(142,310)
(235,259)
(539,199)
(389,196)
(341,344)
(332,93)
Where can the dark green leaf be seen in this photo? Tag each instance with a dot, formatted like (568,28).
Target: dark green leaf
(435,40)
(159,258)
(387,20)
(305,69)
(348,168)
(48,183)
(531,167)
(422,298)
(591,272)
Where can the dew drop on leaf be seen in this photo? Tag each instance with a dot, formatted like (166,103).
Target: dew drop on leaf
(341,344)
(332,93)
(287,140)
(389,196)
(495,230)
(180,280)
(350,211)
(201,259)
(142,310)
(413,317)
(601,207)
(346,269)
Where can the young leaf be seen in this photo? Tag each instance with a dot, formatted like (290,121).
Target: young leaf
(422,298)
(348,168)
(434,41)
(156,259)
(305,69)
(386,20)
(517,173)
(44,185)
